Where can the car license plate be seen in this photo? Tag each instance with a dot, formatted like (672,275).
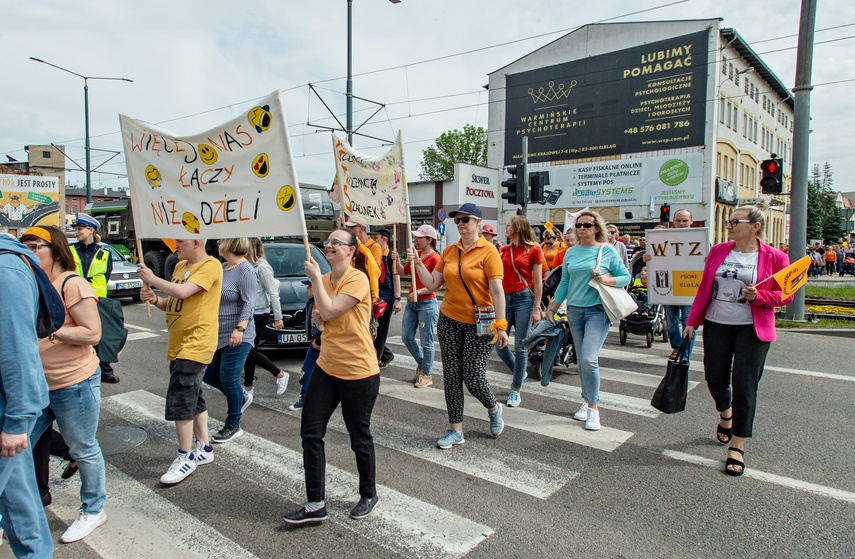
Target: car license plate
(128,284)
(292,338)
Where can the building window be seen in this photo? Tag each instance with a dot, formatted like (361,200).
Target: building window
(729,107)
(736,78)
(730,70)
(46,154)
(721,109)
(735,118)
(746,87)
(744,125)
(718,164)
(723,66)
(74,209)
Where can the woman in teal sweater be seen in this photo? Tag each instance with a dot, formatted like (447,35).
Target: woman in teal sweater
(588,321)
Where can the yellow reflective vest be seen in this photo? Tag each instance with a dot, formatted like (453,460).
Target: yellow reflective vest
(97,274)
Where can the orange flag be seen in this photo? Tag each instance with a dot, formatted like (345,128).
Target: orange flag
(373,270)
(793,276)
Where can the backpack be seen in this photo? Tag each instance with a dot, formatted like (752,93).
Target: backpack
(51,308)
(113,331)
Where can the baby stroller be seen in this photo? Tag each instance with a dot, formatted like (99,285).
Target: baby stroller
(647,321)
(566,354)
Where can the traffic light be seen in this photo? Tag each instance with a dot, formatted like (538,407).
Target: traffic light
(516,193)
(664,213)
(537,181)
(771,182)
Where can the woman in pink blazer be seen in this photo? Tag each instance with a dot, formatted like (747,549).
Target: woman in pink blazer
(739,324)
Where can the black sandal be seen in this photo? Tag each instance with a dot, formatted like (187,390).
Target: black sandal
(734,462)
(726,431)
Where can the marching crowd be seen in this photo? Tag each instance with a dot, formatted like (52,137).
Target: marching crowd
(214,309)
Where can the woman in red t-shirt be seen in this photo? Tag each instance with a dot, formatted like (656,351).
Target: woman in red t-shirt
(522,260)
(421,308)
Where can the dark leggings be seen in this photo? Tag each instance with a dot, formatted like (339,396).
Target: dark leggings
(464,361)
(51,442)
(733,363)
(256,357)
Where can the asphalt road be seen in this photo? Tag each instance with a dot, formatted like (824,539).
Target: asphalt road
(646,485)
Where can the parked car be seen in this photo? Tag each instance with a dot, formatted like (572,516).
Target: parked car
(287,258)
(124,281)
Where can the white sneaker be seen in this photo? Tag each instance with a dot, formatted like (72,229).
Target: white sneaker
(582,414)
(282,383)
(182,466)
(247,400)
(83,526)
(593,421)
(202,457)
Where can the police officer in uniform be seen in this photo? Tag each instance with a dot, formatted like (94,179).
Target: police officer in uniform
(93,262)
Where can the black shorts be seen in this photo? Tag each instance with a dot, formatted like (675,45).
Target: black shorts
(184,396)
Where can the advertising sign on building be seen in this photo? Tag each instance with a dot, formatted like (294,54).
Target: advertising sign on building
(27,200)
(645,98)
(675,179)
(676,264)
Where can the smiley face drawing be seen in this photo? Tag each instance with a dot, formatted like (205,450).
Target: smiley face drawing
(207,154)
(190,222)
(261,165)
(152,176)
(285,198)
(260,118)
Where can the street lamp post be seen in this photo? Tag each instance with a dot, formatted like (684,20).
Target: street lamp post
(349,85)
(86,116)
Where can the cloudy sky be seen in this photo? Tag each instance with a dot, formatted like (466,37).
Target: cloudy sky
(195,64)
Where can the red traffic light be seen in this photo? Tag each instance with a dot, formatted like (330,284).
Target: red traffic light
(771,167)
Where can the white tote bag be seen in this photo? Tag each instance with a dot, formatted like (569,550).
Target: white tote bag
(617,302)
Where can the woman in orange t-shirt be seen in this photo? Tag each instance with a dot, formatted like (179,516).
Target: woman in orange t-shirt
(471,269)
(73,375)
(346,373)
(551,247)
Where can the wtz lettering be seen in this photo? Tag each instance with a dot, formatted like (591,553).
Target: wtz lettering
(659,249)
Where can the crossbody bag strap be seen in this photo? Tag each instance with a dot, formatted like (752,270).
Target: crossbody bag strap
(519,275)
(460,273)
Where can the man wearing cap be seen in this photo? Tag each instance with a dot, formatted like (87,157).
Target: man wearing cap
(93,262)
(489,233)
(390,292)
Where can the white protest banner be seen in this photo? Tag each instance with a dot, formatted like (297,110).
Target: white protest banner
(374,188)
(235,180)
(570,218)
(676,264)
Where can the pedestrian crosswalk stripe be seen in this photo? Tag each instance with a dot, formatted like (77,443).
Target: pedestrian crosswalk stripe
(406,525)
(809,373)
(141,523)
(476,458)
(572,392)
(135,327)
(544,424)
(142,335)
(816,489)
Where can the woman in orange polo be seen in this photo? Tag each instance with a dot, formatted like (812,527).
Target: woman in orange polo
(346,373)
(472,271)
(551,247)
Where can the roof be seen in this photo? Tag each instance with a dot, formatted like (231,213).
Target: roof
(107,206)
(738,43)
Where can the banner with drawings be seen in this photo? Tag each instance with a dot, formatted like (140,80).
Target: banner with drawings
(235,180)
(374,188)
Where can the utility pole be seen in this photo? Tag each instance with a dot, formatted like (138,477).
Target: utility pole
(801,144)
(523,180)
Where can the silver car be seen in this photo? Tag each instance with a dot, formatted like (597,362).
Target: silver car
(124,281)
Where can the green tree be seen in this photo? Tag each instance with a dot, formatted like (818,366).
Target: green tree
(455,146)
(824,219)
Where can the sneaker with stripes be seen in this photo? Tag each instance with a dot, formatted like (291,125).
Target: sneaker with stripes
(183,465)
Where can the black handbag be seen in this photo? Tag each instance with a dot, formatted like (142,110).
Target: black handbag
(672,392)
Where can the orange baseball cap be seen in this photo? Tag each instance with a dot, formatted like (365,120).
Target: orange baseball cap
(39,232)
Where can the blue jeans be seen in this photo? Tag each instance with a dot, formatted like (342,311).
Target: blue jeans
(676,317)
(518,309)
(423,315)
(224,374)
(21,512)
(589,327)
(75,409)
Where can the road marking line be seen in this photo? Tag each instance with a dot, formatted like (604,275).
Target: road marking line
(405,525)
(544,424)
(142,335)
(141,523)
(135,327)
(476,458)
(788,482)
(816,374)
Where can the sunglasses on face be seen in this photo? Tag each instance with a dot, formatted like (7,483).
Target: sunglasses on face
(585,225)
(459,220)
(35,246)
